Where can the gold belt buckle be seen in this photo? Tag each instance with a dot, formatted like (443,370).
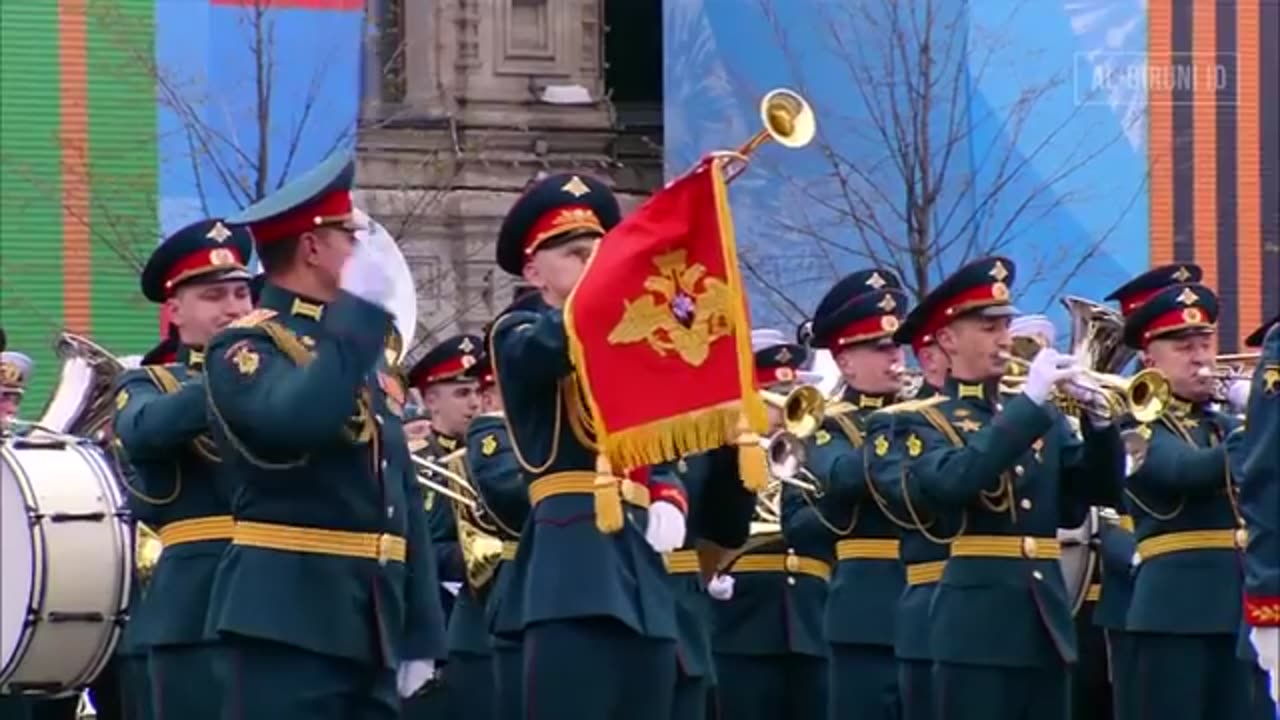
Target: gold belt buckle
(791,564)
(384,548)
(1030,548)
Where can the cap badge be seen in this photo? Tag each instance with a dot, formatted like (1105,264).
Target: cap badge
(783,355)
(887,303)
(1000,291)
(576,187)
(468,361)
(219,233)
(1192,315)
(889,323)
(1181,274)
(1188,297)
(222,256)
(784,375)
(999,271)
(466,345)
(876,281)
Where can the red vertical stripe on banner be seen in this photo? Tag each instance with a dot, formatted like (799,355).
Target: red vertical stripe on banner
(1204,122)
(1248,170)
(1160,130)
(73,139)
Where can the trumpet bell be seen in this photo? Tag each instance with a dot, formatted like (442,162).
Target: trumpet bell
(788,118)
(1148,395)
(786,455)
(803,411)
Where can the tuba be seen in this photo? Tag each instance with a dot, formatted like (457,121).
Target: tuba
(404,297)
(477,533)
(81,401)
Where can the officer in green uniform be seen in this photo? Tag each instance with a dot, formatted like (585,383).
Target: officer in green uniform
(925,536)
(1259,477)
(770,654)
(720,511)
(855,321)
(326,601)
(160,423)
(1186,609)
(1000,619)
(601,644)
(450,392)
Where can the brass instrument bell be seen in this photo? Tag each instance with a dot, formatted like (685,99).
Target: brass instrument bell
(1145,396)
(788,120)
(147,550)
(803,409)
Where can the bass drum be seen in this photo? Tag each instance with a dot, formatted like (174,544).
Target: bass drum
(67,556)
(1079,559)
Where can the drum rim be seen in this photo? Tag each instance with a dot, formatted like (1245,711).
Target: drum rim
(39,565)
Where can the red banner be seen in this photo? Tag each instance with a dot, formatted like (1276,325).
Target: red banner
(658,329)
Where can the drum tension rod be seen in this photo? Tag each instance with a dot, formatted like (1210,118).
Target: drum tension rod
(60,517)
(62,617)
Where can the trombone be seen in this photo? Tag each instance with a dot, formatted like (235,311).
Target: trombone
(1145,396)
(437,467)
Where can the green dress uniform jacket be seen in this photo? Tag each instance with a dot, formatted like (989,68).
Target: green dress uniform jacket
(492,467)
(1001,621)
(163,429)
(1116,548)
(1259,480)
(611,616)
(868,578)
(331,553)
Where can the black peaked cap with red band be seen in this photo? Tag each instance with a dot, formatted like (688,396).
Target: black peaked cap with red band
(1131,295)
(831,313)
(205,251)
(451,360)
(1173,312)
(981,287)
(779,364)
(317,198)
(1260,333)
(555,208)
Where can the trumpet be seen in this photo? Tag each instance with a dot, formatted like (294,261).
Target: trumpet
(435,467)
(1145,396)
(786,461)
(788,120)
(803,409)
(1231,370)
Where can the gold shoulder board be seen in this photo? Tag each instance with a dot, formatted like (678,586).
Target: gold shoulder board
(915,405)
(255,318)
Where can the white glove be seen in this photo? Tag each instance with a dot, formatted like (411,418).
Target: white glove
(721,587)
(412,675)
(1048,369)
(366,276)
(666,528)
(1266,642)
(1238,396)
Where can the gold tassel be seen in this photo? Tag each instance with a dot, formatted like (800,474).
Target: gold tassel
(608,497)
(752,463)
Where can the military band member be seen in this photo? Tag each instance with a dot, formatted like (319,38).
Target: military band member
(771,658)
(15,368)
(326,600)
(1186,608)
(856,324)
(1259,480)
(450,395)
(1001,622)
(600,643)
(199,273)
(924,535)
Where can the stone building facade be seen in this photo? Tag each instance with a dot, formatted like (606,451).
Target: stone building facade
(467,101)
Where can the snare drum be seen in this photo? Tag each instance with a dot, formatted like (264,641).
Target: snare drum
(66,565)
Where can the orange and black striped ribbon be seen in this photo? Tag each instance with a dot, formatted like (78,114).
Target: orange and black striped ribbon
(1215,150)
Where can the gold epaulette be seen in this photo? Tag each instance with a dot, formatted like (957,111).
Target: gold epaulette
(914,405)
(287,340)
(839,408)
(255,318)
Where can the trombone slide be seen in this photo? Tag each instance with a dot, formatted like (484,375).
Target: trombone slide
(446,491)
(437,467)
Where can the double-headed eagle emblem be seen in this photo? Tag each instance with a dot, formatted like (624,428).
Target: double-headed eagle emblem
(685,311)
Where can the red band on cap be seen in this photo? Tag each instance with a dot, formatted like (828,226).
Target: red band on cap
(1262,611)
(774,376)
(447,370)
(1183,318)
(865,329)
(328,209)
(205,261)
(974,298)
(559,221)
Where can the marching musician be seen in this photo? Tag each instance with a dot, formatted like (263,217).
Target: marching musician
(925,535)
(1260,506)
(1000,619)
(15,368)
(492,467)
(1116,542)
(450,395)
(597,620)
(771,658)
(326,601)
(199,273)
(855,321)
(1186,609)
